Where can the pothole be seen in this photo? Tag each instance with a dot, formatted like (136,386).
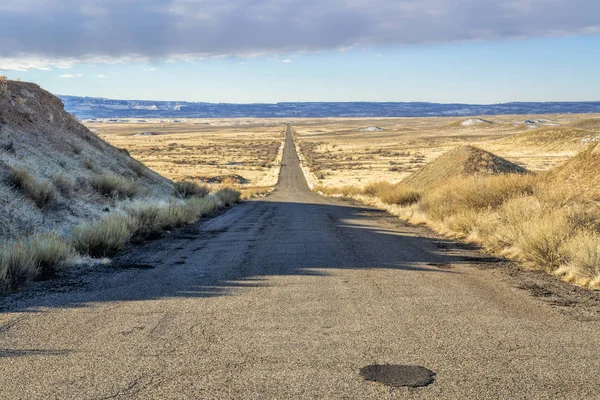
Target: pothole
(398,375)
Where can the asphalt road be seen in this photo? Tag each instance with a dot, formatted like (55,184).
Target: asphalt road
(289,297)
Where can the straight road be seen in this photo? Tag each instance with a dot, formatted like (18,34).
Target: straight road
(288,297)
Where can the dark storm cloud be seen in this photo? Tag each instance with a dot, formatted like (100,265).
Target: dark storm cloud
(76,29)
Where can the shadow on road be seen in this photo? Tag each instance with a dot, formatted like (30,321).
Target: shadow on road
(246,245)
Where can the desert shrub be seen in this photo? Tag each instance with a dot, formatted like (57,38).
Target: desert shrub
(42,193)
(539,243)
(64,184)
(400,194)
(475,193)
(391,193)
(3,80)
(375,188)
(199,207)
(111,185)
(17,265)
(19,177)
(105,237)
(582,255)
(146,220)
(187,189)
(228,196)
(50,254)
(176,214)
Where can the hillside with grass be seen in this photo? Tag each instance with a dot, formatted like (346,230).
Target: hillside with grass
(66,194)
(548,221)
(460,162)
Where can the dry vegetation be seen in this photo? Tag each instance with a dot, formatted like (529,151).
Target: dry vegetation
(546,216)
(65,193)
(240,153)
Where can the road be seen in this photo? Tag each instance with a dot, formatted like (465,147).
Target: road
(288,296)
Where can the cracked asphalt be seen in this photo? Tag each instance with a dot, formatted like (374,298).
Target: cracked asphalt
(289,296)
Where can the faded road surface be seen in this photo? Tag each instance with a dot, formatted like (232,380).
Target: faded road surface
(288,297)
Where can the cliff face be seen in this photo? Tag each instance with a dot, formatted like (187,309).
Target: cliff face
(45,152)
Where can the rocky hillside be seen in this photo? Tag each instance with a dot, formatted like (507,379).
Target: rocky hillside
(54,172)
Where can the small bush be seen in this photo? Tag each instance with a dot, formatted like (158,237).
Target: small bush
(187,189)
(582,254)
(50,254)
(19,178)
(199,207)
(105,237)
(148,220)
(43,194)
(539,244)
(64,184)
(17,265)
(111,185)
(228,196)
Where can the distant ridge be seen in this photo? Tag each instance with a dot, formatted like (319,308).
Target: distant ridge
(94,107)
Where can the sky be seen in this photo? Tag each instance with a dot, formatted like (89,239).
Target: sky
(245,51)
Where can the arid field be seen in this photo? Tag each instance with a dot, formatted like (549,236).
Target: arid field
(345,152)
(522,187)
(233,152)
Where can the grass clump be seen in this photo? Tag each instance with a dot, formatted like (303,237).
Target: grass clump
(187,189)
(51,254)
(111,185)
(390,193)
(42,193)
(40,256)
(105,237)
(228,196)
(17,265)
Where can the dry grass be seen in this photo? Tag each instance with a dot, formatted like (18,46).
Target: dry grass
(51,254)
(187,189)
(228,196)
(17,265)
(39,257)
(545,221)
(240,153)
(116,186)
(399,193)
(105,237)
(42,193)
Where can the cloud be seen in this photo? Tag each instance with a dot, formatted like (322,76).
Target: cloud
(67,76)
(101,76)
(106,30)
(287,60)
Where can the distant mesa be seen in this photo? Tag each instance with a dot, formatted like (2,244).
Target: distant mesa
(462,161)
(475,122)
(371,129)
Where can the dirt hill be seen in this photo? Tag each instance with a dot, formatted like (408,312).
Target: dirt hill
(579,175)
(54,172)
(463,161)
